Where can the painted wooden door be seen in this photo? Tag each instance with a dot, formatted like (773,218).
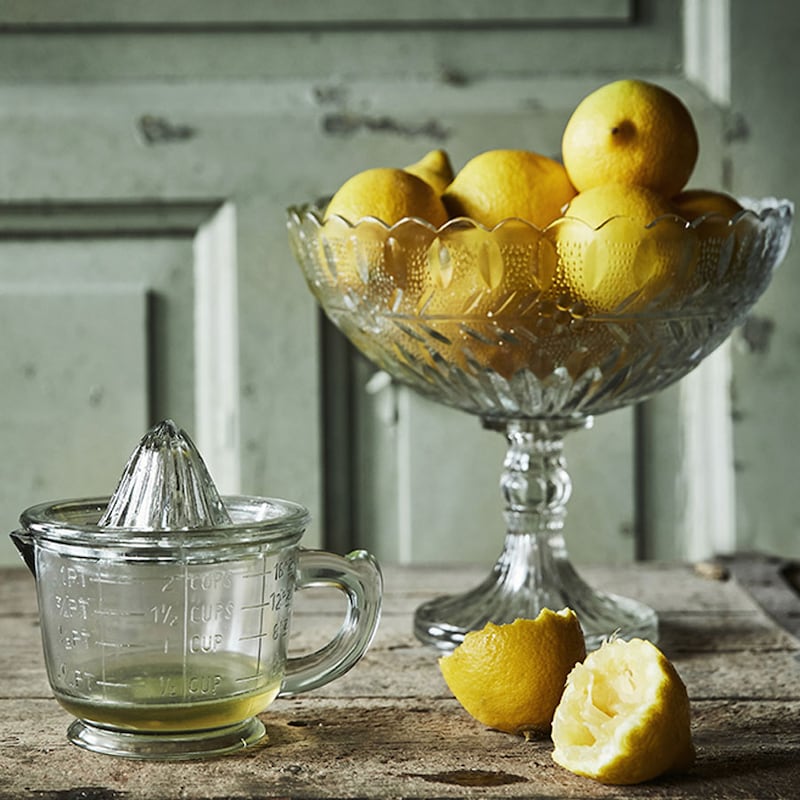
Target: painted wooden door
(147,153)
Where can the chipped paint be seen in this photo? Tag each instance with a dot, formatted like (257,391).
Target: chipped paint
(452,76)
(159,130)
(737,128)
(756,333)
(347,124)
(328,95)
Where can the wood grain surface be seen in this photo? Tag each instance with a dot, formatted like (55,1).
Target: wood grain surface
(391,729)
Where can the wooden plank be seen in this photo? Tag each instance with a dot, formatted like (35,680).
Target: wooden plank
(390,727)
(673,589)
(752,666)
(668,587)
(772,583)
(321,748)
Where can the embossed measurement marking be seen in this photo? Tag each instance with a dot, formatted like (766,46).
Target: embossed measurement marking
(121,645)
(115,612)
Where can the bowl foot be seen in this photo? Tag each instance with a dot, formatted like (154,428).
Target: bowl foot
(508,594)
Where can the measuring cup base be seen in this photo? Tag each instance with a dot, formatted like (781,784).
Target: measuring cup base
(166,746)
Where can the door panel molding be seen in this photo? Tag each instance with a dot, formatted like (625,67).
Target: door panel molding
(707,46)
(211,227)
(177,14)
(106,218)
(216,348)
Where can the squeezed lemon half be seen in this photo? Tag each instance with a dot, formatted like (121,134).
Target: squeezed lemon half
(624,716)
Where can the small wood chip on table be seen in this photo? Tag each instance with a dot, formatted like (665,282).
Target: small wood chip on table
(390,728)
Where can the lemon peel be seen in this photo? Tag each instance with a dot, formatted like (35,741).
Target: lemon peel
(695,203)
(624,716)
(502,184)
(510,677)
(618,258)
(387,194)
(633,132)
(434,168)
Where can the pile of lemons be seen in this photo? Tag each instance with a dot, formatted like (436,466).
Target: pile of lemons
(619,715)
(628,150)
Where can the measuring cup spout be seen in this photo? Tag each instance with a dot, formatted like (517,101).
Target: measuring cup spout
(24,543)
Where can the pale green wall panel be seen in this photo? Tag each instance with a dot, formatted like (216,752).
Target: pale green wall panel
(73,392)
(764,160)
(165,117)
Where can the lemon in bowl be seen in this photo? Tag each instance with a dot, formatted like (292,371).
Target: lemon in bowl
(388,194)
(632,132)
(692,204)
(434,168)
(621,246)
(501,184)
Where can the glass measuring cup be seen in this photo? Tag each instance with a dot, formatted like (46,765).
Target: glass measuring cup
(167,644)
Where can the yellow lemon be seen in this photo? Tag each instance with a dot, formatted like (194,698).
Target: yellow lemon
(389,195)
(718,238)
(624,716)
(634,132)
(511,677)
(695,203)
(434,168)
(598,205)
(500,184)
(614,258)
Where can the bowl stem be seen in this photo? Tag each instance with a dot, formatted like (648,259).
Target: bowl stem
(533,570)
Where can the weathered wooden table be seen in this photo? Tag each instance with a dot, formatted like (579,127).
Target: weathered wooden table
(391,729)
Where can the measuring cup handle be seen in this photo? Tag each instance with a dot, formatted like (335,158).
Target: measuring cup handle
(358,576)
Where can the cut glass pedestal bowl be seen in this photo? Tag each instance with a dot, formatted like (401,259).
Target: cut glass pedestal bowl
(536,332)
